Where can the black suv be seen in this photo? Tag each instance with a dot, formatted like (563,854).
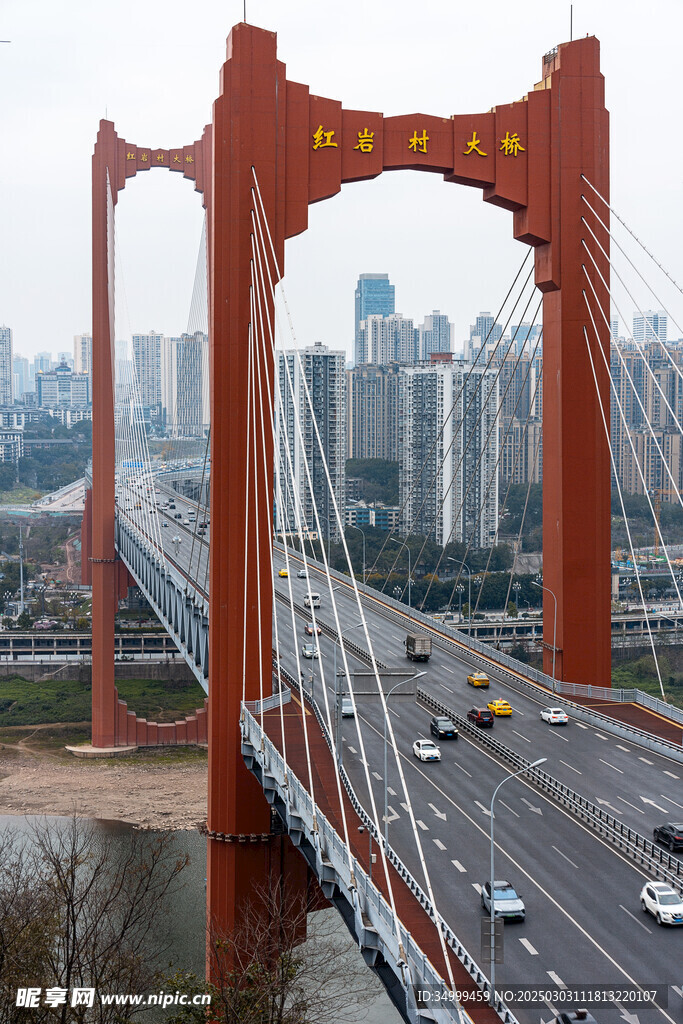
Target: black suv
(443,728)
(481,717)
(670,834)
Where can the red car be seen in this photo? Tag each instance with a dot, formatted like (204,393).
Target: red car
(310,629)
(481,717)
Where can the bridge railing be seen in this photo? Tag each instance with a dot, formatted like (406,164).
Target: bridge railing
(505,661)
(659,863)
(452,940)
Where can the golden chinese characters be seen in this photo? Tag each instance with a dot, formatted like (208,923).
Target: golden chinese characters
(323,139)
(511,145)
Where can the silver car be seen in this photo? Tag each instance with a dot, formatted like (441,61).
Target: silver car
(506,903)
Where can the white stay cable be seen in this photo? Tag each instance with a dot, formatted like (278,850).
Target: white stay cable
(663,345)
(623,510)
(636,461)
(633,236)
(263,221)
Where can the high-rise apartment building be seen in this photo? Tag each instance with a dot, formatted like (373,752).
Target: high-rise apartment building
(436,334)
(374,297)
(387,339)
(185,384)
(372,411)
(318,374)
(83,354)
(20,372)
(6,367)
(448,452)
(650,326)
(147,360)
(62,387)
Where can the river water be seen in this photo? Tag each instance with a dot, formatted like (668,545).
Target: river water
(185,918)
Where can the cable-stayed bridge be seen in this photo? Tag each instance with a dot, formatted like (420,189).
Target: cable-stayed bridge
(402,856)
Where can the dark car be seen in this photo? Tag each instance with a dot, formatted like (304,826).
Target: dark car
(443,728)
(574,1017)
(670,834)
(481,717)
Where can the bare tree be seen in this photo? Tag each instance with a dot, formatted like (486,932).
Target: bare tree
(93,906)
(265,974)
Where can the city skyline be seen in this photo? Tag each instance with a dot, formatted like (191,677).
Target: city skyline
(466,252)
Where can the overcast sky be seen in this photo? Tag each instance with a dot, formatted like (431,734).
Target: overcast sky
(152,67)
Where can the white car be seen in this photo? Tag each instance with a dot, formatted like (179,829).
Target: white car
(426,750)
(663,902)
(302,574)
(309,651)
(554,716)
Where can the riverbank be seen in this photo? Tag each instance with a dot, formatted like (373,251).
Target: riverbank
(160,790)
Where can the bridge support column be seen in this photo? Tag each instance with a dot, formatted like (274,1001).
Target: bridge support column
(576,463)
(246,132)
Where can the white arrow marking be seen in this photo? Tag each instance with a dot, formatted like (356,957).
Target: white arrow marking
(458,865)
(671,775)
(482,808)
(612,766)
(668,798)
(536,810)
(405,807)
(437,812)
(646,800)
(527,945)
(425,828)
(391,816)
(606,803)
(437,842)
(640,811)
(555,978)
(630,1018)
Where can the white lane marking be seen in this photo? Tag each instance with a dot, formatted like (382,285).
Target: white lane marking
(475,885)
(377,776)
(645,760)
(580,725)
(482,808)
(600,735)
(678,991)
(639,809)
(517,711)
(526,740)
(566,858)
(669,800)
(352,750)
(395,713)
(390,791)
(634,918)
(509,808)
(568,765)
(462,769)
(671,775)
(458,865)
(527,945)
(400,639)
(425,828)
(446,687)
(612,766)
(556,979)
(627,750)
(446,669)
(437,842)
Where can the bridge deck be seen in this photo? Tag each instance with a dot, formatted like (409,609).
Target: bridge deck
(409,910)
(635,715)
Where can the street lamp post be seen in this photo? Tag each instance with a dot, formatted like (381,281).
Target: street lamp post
(460,590)
(536,583)
(337,694)
(354,527)
(386,784)
(394,540)
(469,592)
(517,587)
(492,937)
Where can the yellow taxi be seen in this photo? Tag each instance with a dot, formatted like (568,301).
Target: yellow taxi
(499,707)
(478,679)
(283,572)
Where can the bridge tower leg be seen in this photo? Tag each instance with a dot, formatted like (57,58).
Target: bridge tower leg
(105,576)
(576,463)
(246,118)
